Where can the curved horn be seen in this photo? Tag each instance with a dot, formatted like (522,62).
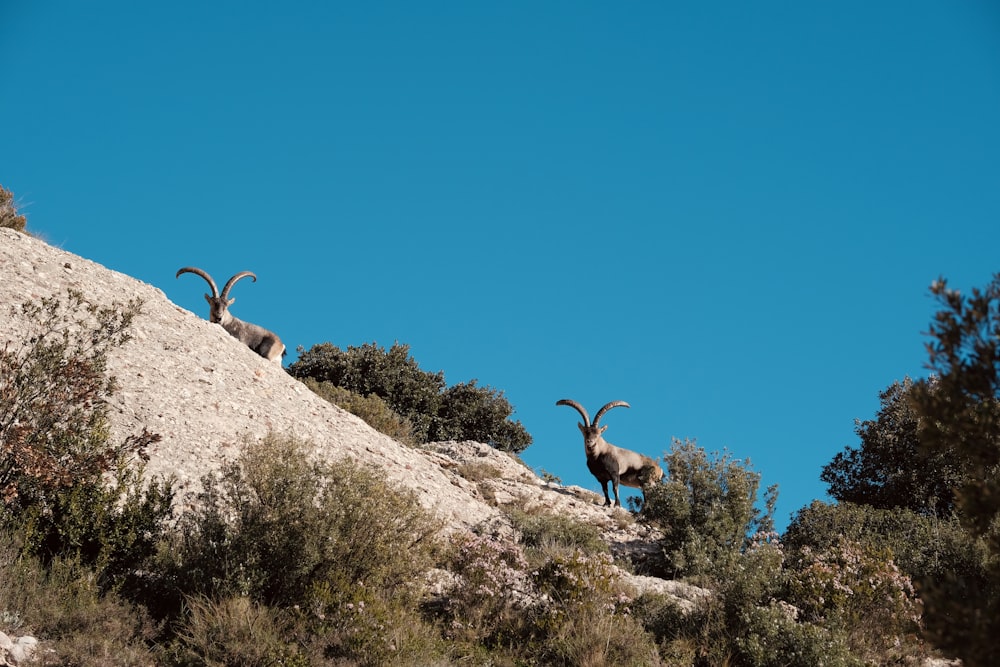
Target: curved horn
(612,404)
(578,408)
(199,272)
(234,280)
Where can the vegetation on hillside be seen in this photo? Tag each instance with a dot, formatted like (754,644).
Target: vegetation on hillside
(9,216)
(293,561)
(388,389)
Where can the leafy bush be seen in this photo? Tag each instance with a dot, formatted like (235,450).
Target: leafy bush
(371,408)
(462,412)
(68,490)
(493,592)
(553,532)
(9,217)
(859,592)
(392,375)
(706,509)
(53,399)
(889,469)
(314,539)
(62,603)
(926,548)
(960,412)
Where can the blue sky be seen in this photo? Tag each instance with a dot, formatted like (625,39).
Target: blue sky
(725,213)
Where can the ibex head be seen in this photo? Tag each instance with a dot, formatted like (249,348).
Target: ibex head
(591,431)
(218,304)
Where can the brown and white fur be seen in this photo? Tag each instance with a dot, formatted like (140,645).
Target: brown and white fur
(609,463)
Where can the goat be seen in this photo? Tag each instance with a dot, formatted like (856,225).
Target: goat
(609,463)
(257,338)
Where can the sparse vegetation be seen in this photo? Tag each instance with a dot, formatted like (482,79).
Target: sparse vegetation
(9,216)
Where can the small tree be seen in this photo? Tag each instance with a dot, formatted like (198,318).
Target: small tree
(9,217)
(889,469)
(960,410)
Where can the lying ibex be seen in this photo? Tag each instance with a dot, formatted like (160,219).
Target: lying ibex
(258,339)
(609,463)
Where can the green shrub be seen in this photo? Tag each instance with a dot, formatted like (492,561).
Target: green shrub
(233,632)
(62,604)
(9,217)
(549,533)
(859,592)
(330,545)
(392,375)
(113,528)
(274,522)
(435,413)
(53,399)
(493,590)
(371,408)
(65,487)
(706,509)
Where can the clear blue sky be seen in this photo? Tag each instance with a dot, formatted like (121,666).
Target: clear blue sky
(726,213)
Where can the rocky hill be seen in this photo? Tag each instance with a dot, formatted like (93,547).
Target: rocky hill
(204,392)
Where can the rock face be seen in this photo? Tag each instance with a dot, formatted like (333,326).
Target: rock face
(204,392)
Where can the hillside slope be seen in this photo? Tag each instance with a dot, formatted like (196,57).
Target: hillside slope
(203,392)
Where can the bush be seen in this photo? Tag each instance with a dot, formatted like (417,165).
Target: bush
(9,217)
(61,603)
(392,375)
(68,490)
(53,399)
(463,412)
(706,509)
(858,592)
(371,408)
(316,540)
(233,632)
(550,533)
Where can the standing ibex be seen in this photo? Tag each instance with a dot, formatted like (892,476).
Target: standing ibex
(609,463)
(258,339)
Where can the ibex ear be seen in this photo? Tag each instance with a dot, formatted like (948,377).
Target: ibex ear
(231,301)
(208,298)
(583,429)
(603,429)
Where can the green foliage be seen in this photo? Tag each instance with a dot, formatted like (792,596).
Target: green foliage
(274,523)
(746,621)
(926,548)
(53,399)
(706,509)
(464,411)
(61,602)
(67,490)
(9,217)
(113,528)
(890,469)
(330,544)
(371,408)
(471,412)
(392,374)
(554,532)
(960,410)
(859,592)
(233,632)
